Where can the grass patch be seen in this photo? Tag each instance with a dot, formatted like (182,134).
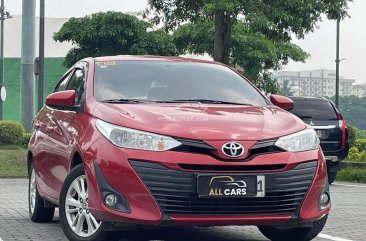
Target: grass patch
(11,147)
(352,175)
(13,161)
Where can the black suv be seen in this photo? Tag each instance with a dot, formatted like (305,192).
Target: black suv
(323,116)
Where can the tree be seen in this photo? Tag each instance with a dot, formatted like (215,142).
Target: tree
(353,110)
(286,89)
(276,18)
(252,53)
(112,33)
(249,34)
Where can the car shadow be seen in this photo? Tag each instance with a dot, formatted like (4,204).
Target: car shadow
(190,234)
(228,233)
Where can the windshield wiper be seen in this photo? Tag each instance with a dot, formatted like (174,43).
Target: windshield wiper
(305,117)
(205,101)
(128,101)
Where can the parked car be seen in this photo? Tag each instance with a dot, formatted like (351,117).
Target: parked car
(171,141)
(330,126)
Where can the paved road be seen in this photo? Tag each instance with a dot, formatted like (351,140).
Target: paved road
(347,221)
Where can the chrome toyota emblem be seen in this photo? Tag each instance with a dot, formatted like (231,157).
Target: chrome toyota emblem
(233,149)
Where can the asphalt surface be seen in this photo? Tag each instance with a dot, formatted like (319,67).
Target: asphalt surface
(347,220)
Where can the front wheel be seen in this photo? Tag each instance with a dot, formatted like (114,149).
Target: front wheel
(77,222)
(298,233)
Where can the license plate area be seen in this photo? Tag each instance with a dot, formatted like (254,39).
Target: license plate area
(320,133)
(230,186)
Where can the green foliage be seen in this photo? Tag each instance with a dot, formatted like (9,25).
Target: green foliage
(286,89)
(357,153)
(361,134)
(360,144)
(278,18)
(266,81)
(353,110)
(251,35)
(253,53)
(354,155)
(10,132)
(112,33)
(256,52)
(352,175)
(195,38)
(155,43)
(25,139)
(352,134)
(11,147)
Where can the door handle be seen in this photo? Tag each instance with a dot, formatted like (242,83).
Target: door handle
(50,129)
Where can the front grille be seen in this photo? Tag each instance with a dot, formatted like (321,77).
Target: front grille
(202,167)
(175,191)
(201,147)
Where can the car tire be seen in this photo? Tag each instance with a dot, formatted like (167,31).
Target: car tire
(36,204)
(299,233)
(77,222)
(332,177)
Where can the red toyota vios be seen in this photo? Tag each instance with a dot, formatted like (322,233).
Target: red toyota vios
(129,141)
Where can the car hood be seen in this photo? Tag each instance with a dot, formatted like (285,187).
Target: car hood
(203,122)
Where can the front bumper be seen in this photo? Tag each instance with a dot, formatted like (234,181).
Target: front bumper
(334,158)
(341,154)
(176,194)
(163,193)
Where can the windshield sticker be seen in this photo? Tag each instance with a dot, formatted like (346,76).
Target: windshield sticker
(105,64)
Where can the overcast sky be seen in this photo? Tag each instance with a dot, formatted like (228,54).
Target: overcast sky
(320,44)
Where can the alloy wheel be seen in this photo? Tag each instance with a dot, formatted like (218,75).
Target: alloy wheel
(79,218)
(32,191)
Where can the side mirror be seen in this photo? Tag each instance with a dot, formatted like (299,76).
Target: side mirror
(64,98)
(282,102)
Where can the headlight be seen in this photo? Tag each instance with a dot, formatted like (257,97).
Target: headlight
(134,139)
(304,140)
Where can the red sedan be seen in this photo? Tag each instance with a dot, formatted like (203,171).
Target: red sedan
(128,141)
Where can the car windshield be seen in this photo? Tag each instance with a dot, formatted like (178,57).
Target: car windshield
(314,109)
(166,81)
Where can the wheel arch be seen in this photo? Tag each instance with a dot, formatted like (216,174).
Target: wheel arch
(76,160)
(29,161)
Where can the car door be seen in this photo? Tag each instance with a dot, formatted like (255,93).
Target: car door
(61,133)
(43,156)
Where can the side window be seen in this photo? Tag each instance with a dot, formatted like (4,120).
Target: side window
(63,83)
(77,83)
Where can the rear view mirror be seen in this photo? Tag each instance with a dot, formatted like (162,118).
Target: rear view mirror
(64,98)
(282,102)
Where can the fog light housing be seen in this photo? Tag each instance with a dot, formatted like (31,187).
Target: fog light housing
(111,200)
(324,201)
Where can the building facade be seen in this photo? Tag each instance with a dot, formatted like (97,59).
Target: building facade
(54,57)
(314,83)
(359,90)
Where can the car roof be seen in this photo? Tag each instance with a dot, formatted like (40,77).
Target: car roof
(306,98)
(151,58)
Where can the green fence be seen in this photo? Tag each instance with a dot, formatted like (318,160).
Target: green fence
(53,71)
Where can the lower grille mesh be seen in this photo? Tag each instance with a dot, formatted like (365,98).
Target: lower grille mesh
(175,191)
